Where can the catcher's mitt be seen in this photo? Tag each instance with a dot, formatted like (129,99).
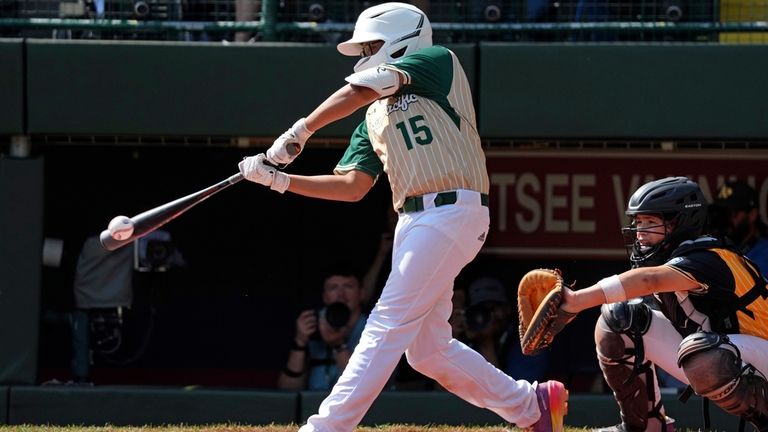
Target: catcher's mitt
(538,304)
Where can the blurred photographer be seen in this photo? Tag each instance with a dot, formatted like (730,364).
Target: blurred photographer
(325,338)
(735,214)
(491,328)
(487,318)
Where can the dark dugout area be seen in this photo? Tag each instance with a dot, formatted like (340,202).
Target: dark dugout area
(252,260)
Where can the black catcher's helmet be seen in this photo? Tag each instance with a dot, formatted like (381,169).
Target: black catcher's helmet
(677,200)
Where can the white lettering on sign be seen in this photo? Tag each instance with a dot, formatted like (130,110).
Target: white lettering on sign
(557,202)
(534,211)
(528,202)
(580,200)
(553,201)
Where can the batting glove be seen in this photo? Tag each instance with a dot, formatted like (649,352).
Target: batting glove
(288,145)
(255,169)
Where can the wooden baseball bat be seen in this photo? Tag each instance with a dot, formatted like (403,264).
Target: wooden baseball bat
(150,220)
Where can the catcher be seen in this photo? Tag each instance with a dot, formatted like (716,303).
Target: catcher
(692,305)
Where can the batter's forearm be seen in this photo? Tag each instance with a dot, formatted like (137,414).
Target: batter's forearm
(329,187)
(339,105)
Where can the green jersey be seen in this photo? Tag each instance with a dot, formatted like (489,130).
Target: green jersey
(425,136)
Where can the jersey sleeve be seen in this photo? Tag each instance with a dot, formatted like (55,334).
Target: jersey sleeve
(359,155)
(704,267)
(428,72)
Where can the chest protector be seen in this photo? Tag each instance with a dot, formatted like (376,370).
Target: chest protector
(737,307)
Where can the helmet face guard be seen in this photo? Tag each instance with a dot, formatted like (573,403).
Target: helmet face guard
(645,255)
(680,204)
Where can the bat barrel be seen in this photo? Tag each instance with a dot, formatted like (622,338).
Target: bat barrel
(150,220)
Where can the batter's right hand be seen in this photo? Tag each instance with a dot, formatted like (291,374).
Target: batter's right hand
(288,145)
(255,169)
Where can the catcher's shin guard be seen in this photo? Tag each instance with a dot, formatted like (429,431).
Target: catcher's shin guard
(713,366)
(631,378)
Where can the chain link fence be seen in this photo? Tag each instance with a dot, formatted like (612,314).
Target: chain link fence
(329,21)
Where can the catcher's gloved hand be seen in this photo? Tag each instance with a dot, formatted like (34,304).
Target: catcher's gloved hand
(255,169)
(539,296)
(288,145)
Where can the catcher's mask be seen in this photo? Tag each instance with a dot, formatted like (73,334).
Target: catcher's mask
(402,27)
(680,204)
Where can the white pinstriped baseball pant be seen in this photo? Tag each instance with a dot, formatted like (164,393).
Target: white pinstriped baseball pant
(430,249)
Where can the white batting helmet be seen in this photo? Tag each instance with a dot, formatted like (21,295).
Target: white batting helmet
(404,28)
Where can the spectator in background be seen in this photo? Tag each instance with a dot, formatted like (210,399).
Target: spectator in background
(376,276)
(487,319)
(325,339)
(735,214)
(491,329)
(458,314)
(246,10)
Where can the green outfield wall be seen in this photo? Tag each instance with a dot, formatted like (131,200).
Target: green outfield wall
(623,91)
(525,91)
(147,406)
(11,86)
(182,89)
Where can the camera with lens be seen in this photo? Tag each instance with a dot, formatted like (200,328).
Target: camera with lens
(479,316)
(156,253)
(142,9)
(673,10)
(106,329)
(492,13)
(316,12)
(335,314)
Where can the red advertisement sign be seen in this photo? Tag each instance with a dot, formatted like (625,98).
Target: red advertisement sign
(557,204)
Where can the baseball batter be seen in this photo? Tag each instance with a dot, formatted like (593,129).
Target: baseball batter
(420,130)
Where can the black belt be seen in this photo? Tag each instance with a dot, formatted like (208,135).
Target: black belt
(416,203)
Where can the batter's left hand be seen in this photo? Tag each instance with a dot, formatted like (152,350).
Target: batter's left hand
(288,145)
